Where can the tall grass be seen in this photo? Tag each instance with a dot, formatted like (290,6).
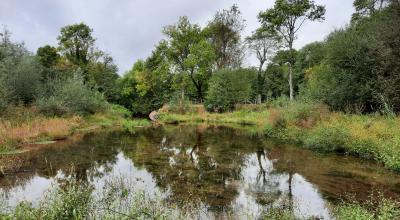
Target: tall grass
(21,125)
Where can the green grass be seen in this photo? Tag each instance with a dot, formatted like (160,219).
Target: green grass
(131,125)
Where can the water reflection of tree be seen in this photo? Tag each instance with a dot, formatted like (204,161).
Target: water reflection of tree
(205,160)
(80,158)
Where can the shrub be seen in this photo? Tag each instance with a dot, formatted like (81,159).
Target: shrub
(120,110)
(179,105)
(72,96)
(325,137)
(276,120)
(23,80)
(282,101)
(3,96)
(384,209)
(391,153)
(305,115)
(227,88)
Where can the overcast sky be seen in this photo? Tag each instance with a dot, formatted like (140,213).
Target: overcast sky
(129,29)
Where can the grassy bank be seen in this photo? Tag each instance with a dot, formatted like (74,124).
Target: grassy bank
(21,127)
(312,126)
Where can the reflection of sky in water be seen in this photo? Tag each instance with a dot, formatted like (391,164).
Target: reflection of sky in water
(33,190)
(224,170)
(307,200)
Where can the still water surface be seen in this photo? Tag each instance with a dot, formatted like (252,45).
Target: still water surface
(219,168)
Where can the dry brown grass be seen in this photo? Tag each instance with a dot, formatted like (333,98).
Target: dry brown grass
(275,118)
(33,129)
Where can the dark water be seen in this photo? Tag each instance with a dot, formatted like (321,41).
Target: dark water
(220,168)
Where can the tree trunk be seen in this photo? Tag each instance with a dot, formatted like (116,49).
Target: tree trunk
(290,83)
(291,61)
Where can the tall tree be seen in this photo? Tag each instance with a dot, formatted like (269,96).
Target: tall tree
(264,44)
(181,37)
(76,43)
(367,7)
(184,39)
(199,66)
(286,18)
(224,31)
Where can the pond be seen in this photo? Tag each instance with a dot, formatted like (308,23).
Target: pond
(218,168)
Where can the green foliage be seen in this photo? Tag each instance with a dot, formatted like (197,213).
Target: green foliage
(179,104)
(229,87)
(277,74)
(148,85)
(76,42)
(199,65)
(384,209)
(103,75)
(20,73)
(224,32)
(327,138)
(72,96)
(48,56)
(365,8)
(361,70)
(24,80)
(181,37)
(120,110)
(131,125)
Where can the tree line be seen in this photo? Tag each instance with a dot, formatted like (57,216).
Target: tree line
(356,68)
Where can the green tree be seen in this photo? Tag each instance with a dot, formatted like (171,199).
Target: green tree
(367,7)
(148,85)
(48,56)
(361,69)
(103,76)
(277,74)
(181,37)
(286,18)
(224,32)
(229,87)
(199,66)
(264,44)
(76,43)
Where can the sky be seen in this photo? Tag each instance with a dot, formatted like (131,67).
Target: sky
(128,30)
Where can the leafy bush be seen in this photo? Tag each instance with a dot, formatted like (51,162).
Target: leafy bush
(384,209)
(361,66)
(24,80)
(3,96)
(326,137)
(305,115)
(282,101)
(120,110)
(229,87)
(179,105)
(72,96)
